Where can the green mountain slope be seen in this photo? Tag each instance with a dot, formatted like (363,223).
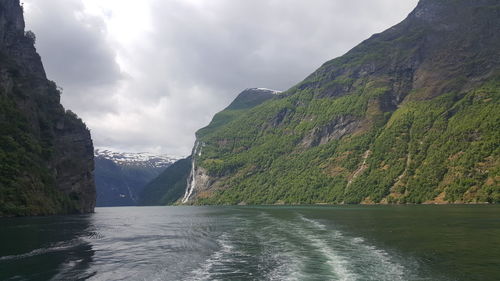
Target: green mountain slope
(168,187)
(246,100)
(411,115)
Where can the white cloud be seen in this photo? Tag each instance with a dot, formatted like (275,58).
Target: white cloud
(145,75)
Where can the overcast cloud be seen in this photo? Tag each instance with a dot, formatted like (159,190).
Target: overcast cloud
(145,75)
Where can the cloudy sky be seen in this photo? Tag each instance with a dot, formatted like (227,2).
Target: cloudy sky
(145,75)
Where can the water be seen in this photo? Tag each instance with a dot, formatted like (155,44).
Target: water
(256,243)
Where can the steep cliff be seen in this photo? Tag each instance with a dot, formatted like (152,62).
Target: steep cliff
(46,153)
(411,115)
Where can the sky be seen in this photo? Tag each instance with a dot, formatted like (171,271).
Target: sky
(146,75)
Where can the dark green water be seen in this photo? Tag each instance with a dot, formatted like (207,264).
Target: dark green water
(256,243)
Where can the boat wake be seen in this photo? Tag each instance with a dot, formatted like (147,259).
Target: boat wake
(299,248)
(56,247)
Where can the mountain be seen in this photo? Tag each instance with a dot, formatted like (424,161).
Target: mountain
(137,159)
(411,115)
(46,152)
(247,99)
(168,187)
(120,177)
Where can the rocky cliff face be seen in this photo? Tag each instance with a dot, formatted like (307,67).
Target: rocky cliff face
(410,115)
(46,153)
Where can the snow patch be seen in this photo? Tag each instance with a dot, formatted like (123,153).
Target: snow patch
(275,92)
(137,158)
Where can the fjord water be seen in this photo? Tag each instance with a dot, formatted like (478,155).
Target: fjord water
(256,243)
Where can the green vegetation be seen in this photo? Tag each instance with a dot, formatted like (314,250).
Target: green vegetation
(169,186)
(245,101)
(411,115)
(449,144)
(27,186)
(29,113)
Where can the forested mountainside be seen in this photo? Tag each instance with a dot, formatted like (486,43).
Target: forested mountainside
(168,187)
(411,115)
(46,152)
(121,177)
(171,186)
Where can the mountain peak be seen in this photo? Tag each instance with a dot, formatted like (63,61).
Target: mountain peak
(251,97)
(145,159)
(440,11)
(275,92)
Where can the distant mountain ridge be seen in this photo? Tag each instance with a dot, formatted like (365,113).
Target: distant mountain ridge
(121,176)
(144,159)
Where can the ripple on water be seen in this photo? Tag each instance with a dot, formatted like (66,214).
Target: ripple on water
(227,244)
(54,247)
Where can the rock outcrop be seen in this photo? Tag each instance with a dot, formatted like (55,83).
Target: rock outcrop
(46,152)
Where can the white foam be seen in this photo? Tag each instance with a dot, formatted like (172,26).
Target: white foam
(358,240)
(338,264)
(378,263)
(55,248)
(216,259)
(316,224)
(384,267)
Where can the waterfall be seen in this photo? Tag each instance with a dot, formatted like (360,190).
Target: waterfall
(191,181)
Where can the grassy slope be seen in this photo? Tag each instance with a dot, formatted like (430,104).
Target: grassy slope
(426,103)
